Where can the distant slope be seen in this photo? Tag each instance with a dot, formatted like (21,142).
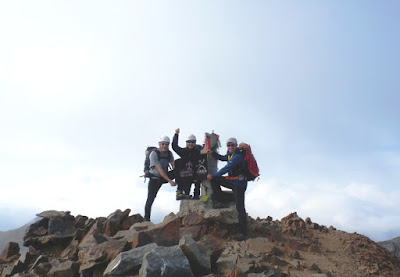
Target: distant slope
(16,235)
(392,245)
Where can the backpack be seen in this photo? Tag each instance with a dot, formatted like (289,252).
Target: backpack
(148,151)
(251,171)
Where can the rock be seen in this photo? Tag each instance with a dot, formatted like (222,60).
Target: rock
(246,265)
(10,252)
(129,262)
(131,220)
(226,264)
(100,253)
(194,232)
(91,239)
(215,246)
(165,261)
(114,222)
(258,246)
(227,215)
(164,234)
(198,256)
(63,269)
(52,213)
(61,226)
(170,216)
(140,226)
(128,235)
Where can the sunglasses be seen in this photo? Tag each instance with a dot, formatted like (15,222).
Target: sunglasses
(190,141)
(230,145)
(164,143)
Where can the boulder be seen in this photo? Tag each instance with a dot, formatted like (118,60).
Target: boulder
(128,235)
(52,213)
(10,252)
(198,256)
(165,261)
(114,222)
(62,268)
(129,262)
(226,264)
(140,226)
(100,254)
(165,233)
(227,215)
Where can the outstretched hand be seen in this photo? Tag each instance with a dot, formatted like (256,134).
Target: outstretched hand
(209,177)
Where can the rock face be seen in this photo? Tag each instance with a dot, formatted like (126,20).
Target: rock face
(198,241)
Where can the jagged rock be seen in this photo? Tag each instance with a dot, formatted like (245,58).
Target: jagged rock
(10,252)
(129,262)
(128,235)
(169,216)
(100,253)
(140,238)
(165,261)
(226,264)
(259,246)
(198,256)
(164,234)
(52,213)
(39,260)
(63,269)
(91,239)
(39,228)
(215,245)
(194,232)
(14,268)
(114,222)
(133,219)
(226,215)
(71,252)
(246,265)
(61,226)
(140,226)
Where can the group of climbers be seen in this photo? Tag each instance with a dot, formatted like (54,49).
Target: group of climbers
(236,167)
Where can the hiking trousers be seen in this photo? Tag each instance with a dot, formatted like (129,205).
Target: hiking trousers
(152,190)
(238,193)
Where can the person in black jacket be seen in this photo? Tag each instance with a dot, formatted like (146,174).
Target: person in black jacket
(191,153)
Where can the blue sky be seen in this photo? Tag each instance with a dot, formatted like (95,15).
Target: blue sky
(313,87)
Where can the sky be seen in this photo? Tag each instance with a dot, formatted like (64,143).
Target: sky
(312,86)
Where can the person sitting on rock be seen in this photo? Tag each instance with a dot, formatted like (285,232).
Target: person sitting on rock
(160,159)
(191,153)
(236,181)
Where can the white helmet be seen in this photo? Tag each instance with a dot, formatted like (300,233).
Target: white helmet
(164,139)
(231,140)
(191,137)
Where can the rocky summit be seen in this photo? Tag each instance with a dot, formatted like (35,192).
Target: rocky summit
(198,241)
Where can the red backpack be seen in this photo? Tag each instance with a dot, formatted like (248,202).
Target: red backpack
(252,171)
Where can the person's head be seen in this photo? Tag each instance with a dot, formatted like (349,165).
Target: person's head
(231,144)
(163,143)
(191,141)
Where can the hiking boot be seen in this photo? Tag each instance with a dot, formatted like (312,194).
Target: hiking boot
(179,195)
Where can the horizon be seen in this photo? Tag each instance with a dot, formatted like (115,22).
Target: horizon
(312,87)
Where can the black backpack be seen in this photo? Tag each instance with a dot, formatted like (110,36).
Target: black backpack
(147,159)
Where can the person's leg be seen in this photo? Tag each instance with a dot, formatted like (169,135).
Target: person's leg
(196,194)
(239,193)
(216,184)
(153,188)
